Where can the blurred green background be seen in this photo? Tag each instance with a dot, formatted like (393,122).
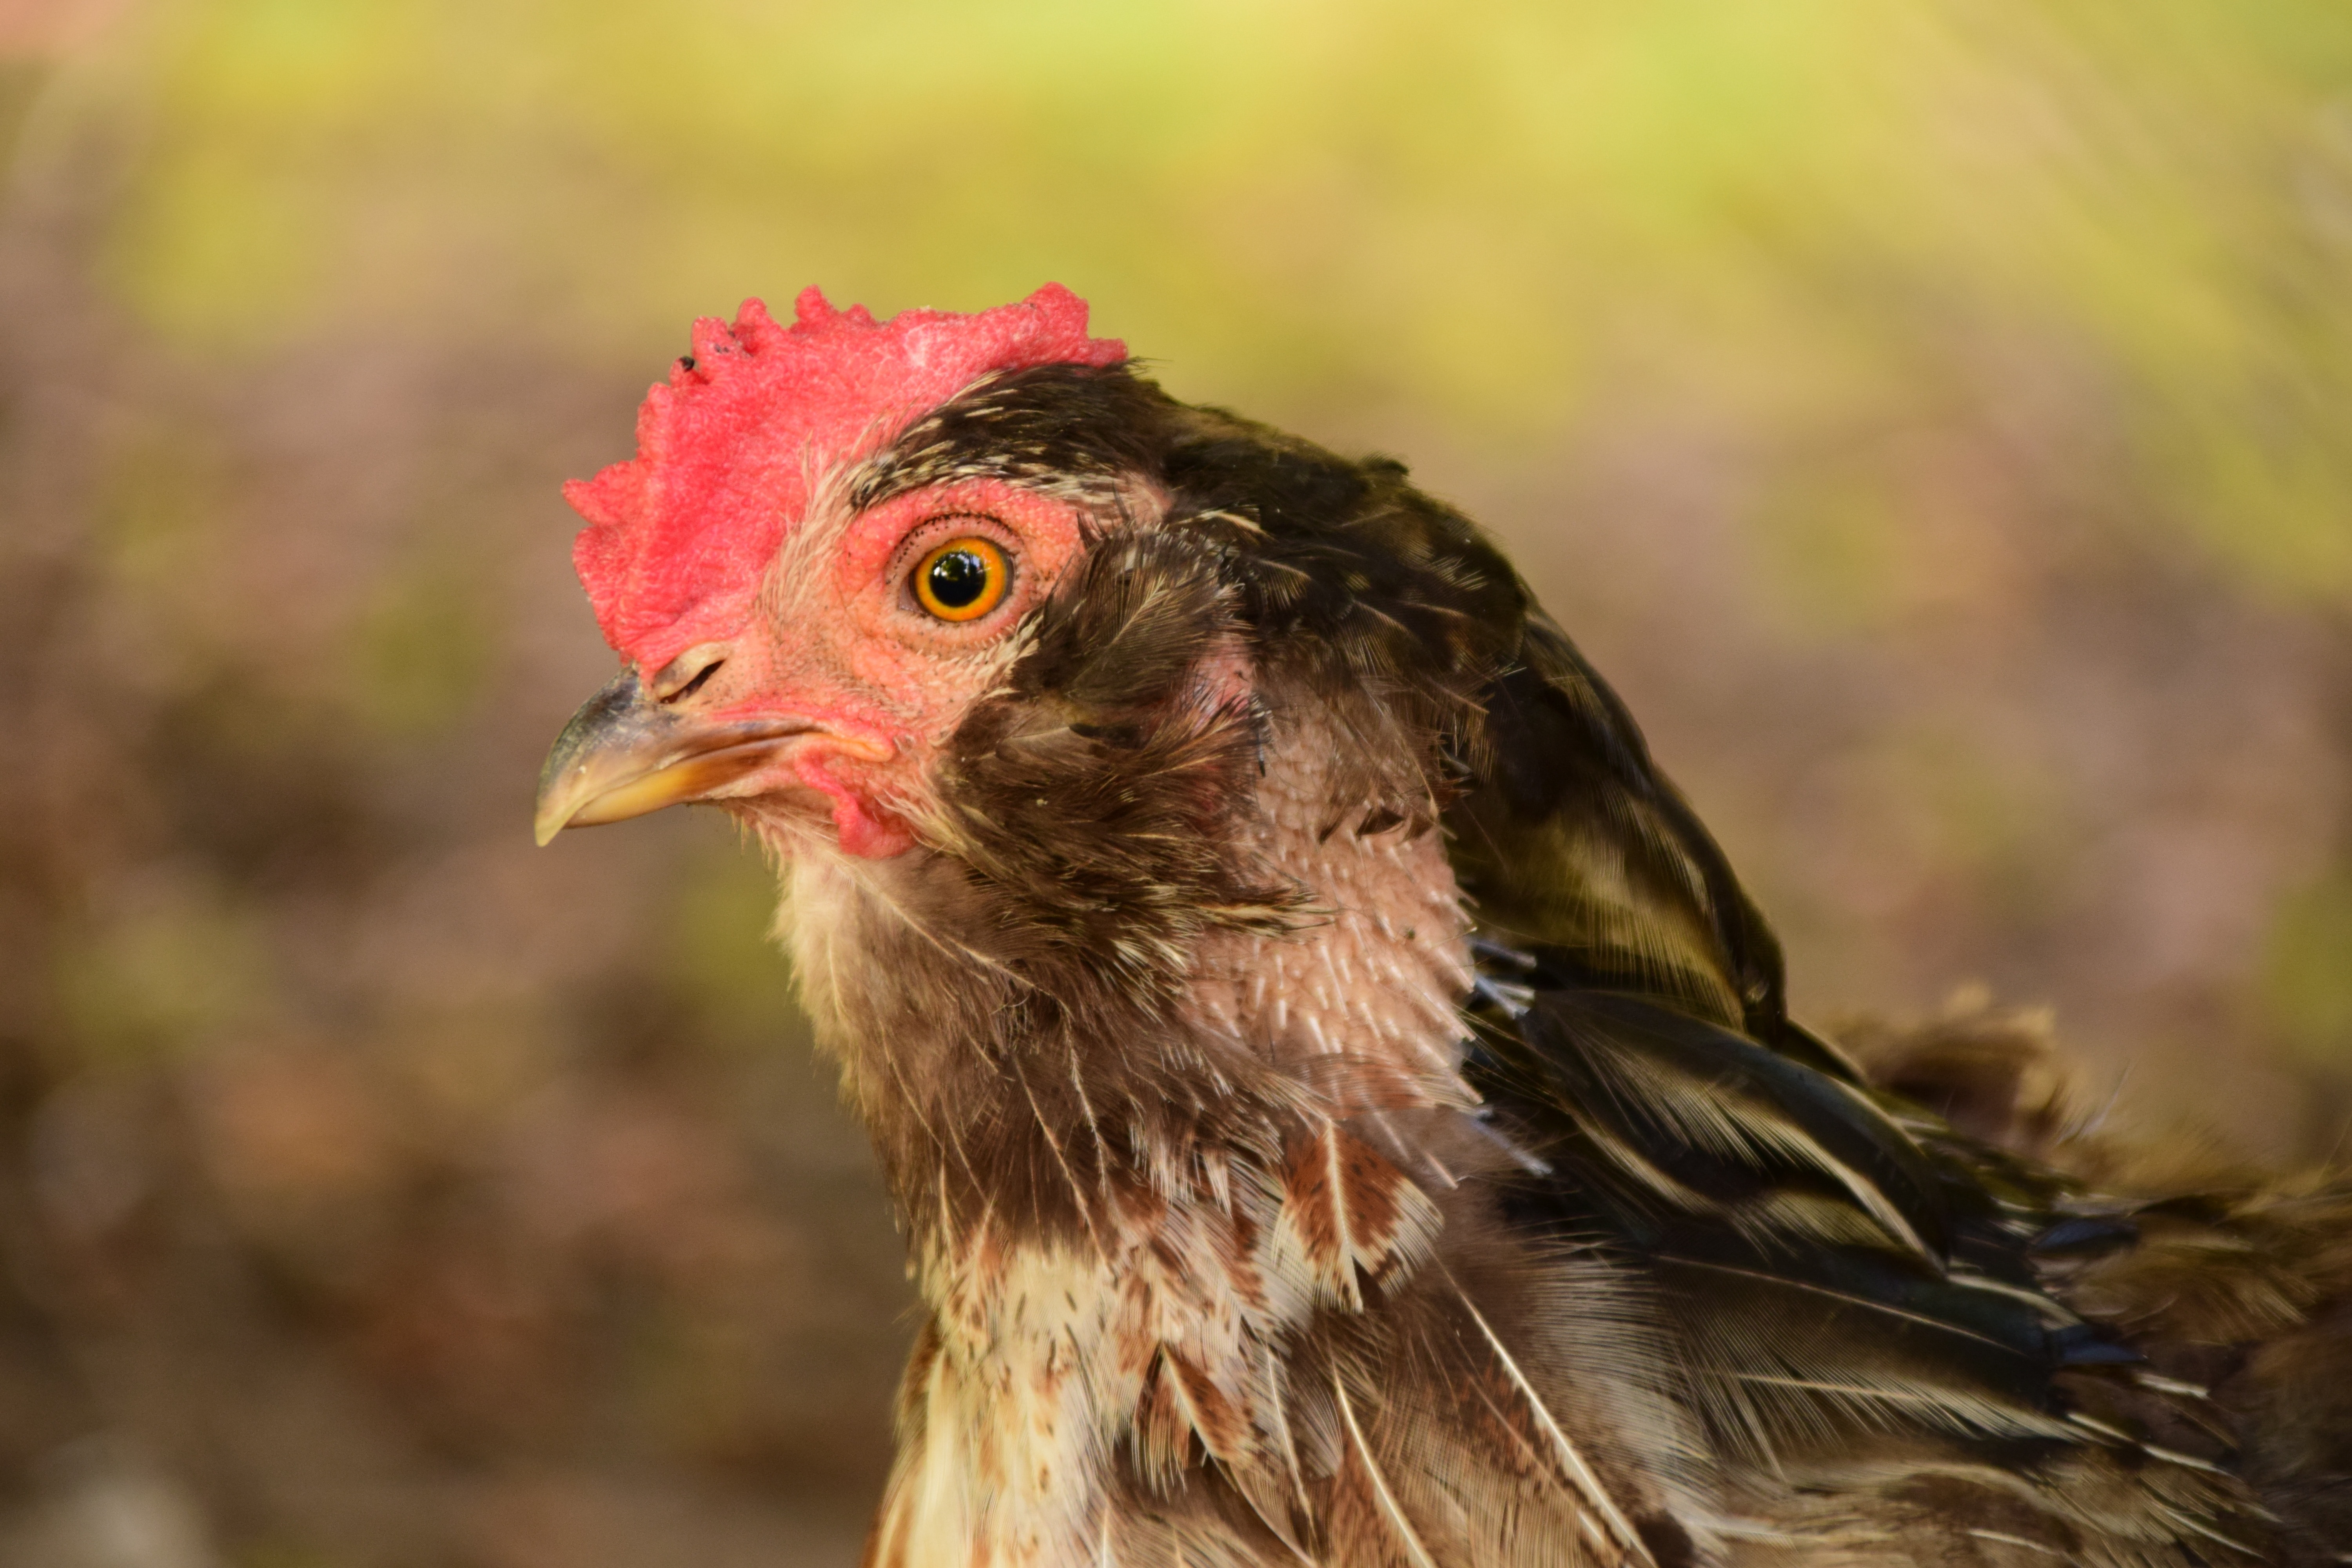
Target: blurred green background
(1932,413)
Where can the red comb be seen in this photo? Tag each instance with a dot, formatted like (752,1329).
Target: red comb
(677,538)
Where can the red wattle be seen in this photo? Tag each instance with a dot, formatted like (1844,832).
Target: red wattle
(864,830)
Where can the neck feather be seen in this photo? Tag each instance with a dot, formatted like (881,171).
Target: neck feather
(1068,1114)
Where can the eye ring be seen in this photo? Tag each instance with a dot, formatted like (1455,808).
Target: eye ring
(963,579)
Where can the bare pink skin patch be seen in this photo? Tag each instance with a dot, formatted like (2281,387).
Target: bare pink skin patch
(836,639)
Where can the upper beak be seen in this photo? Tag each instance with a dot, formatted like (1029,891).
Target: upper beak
(625,755)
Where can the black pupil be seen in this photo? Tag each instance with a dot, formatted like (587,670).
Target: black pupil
(959,578)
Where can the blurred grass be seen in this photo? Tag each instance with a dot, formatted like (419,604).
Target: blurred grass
(1932,413)
(1472,210)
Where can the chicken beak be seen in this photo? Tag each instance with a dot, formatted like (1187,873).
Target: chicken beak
(625,755)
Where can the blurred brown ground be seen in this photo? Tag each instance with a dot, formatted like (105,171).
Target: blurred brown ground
(1934,417)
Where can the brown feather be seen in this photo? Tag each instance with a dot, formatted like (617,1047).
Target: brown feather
(1345,1110)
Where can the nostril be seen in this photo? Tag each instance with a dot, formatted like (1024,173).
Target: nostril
(701,675)
(704,659)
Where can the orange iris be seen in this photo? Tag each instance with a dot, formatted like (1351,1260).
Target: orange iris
(964,579)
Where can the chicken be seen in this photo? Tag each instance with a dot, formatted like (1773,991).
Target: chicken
(1341,1102)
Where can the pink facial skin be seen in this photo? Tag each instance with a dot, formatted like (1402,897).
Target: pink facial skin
(722,563)
(837,639)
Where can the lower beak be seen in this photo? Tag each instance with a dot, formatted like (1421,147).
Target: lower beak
(625,755)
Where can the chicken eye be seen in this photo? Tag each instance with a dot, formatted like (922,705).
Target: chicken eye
(962,580)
